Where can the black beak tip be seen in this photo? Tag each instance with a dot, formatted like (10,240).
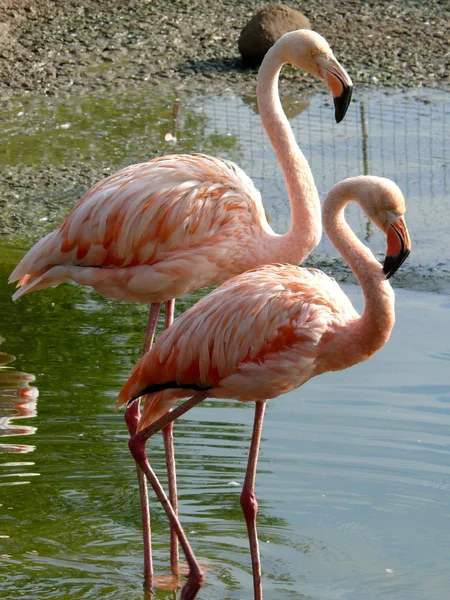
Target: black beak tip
(393,263)
(342,102)
(387,271)
(387,266)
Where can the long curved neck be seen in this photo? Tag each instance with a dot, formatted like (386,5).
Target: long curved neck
(372,330)
(306,229)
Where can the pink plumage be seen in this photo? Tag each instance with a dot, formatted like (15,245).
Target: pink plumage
(255,337)
(158,230)
(154,231)
(269,330)
(266,332)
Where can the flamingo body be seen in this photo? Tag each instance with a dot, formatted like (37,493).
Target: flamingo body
(261,334)
(268,331)
(155,231)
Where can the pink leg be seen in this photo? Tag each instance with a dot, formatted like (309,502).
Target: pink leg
(248,498)
(132,415)
(173,494)
(170,308)
(137,447)
(151,327)
(170,462)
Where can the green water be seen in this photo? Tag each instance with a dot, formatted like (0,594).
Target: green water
(52,151)
(354,476)
(104,127)
(353,479)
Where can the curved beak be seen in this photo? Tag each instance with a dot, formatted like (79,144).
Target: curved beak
(398,247)
(339,83)
(341,103)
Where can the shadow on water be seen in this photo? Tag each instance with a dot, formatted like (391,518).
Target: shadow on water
(217,65)
(292,105)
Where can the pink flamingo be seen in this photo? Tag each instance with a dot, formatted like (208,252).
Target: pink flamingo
(157,230)
(266,332)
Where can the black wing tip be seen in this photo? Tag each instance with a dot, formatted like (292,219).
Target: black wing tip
(169,385)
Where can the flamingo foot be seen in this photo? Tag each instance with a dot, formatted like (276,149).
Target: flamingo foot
(173,582)
(192,587)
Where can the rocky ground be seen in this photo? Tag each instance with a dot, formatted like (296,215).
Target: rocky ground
(65,46)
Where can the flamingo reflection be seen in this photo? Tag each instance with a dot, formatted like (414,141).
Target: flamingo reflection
(17,401)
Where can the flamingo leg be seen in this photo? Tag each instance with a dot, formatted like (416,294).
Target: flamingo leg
(132,416)
(169,449)
(137,447)
(248,499)
(151,327)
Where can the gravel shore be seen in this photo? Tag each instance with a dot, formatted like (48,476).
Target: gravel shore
(67,47)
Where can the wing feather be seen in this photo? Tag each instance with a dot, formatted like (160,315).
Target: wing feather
(257,330)
(149,210)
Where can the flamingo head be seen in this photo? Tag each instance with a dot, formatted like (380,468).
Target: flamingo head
(309,51)
(384,204)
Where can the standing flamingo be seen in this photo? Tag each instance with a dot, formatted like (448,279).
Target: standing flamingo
(157,230)
(266,332)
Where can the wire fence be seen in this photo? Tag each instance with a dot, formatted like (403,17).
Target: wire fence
(49,145)
(403,136)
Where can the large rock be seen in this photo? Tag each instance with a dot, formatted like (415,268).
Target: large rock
(265,28)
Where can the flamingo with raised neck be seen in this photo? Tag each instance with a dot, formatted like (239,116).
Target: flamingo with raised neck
(158,230)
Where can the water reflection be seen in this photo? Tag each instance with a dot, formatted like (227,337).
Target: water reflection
(352,481)
(292,105)
(17,401)
(120,129)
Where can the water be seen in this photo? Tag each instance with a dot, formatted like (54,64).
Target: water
(354,476)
